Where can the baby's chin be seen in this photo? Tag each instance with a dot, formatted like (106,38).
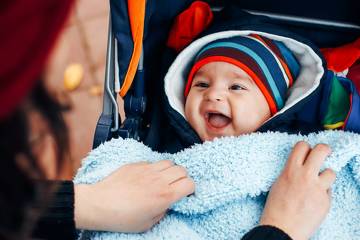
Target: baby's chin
(207,138)
(211,137)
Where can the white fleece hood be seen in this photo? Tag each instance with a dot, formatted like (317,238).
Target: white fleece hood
(311,69)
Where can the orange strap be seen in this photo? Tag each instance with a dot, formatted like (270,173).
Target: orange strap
(136,12)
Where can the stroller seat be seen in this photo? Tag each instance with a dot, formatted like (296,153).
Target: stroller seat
(134,59)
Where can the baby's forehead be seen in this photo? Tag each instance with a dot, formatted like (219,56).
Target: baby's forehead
(230,71)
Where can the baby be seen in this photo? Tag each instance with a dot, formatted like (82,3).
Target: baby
(237,84)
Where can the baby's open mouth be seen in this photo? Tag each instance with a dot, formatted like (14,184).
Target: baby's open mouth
(217,120)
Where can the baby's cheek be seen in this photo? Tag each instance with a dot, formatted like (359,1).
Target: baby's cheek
(246,123)
(188,110)
(189,114)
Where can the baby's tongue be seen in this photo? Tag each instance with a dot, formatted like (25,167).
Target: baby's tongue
(218,120)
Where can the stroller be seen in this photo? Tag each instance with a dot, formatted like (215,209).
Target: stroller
(135,64)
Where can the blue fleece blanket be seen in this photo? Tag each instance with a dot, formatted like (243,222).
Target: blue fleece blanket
(232,177)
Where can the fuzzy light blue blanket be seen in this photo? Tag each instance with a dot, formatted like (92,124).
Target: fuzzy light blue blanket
(232,177)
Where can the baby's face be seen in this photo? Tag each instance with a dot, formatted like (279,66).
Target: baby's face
(224,101)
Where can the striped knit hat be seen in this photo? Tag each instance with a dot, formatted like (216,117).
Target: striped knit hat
(270,64)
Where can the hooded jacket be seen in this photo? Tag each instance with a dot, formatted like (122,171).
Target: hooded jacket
(309,99)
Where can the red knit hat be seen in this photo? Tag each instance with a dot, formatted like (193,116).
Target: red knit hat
(28,31)
(270,64)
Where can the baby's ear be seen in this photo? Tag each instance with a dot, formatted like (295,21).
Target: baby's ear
(189,24)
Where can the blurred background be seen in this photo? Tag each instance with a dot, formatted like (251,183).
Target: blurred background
(75,73)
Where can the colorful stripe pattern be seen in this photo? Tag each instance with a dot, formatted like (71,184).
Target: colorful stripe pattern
(338,106)
(270,64)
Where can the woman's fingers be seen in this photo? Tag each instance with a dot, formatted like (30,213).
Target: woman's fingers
(133,198)
(162,165)
(327,178)
(158,218)
(316,158)
(300,196)
(182,188)
(298,155)
(174,173)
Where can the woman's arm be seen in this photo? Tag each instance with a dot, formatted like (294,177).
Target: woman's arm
(266,232)
(58,220)
(132,199)
(297,203)
(299,199)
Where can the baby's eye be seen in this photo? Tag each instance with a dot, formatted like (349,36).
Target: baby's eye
(201,84)
(237,87)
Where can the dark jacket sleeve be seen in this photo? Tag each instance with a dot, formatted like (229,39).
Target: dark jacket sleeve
(58,221)
(266,233)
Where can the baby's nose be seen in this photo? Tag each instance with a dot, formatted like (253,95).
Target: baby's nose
(214,95)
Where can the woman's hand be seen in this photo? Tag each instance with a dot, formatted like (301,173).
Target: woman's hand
(300,198)
(133,198)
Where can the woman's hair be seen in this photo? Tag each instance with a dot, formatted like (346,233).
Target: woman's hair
(19,192)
